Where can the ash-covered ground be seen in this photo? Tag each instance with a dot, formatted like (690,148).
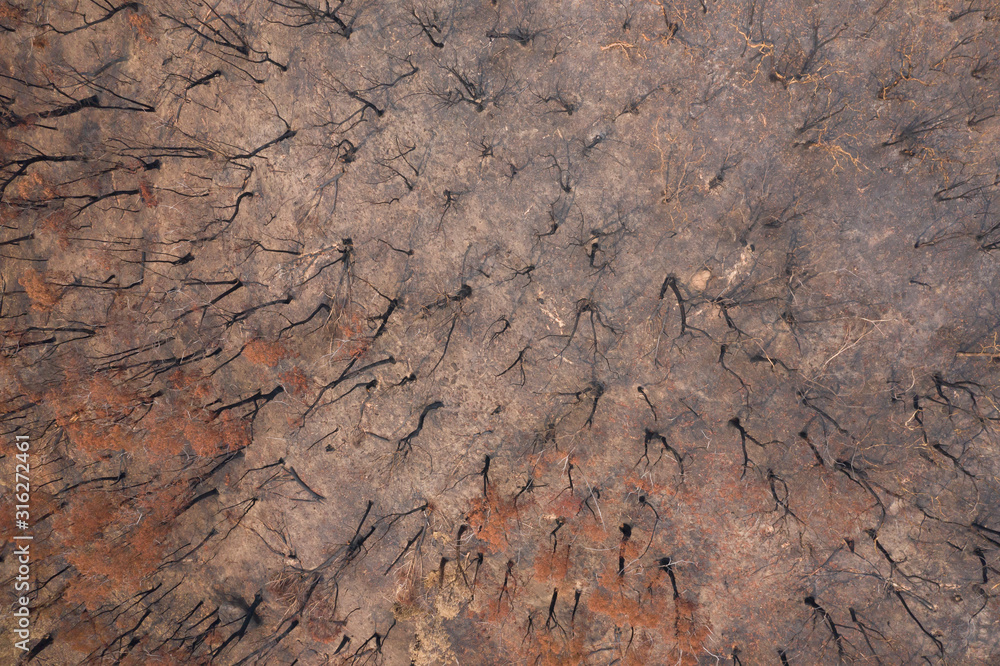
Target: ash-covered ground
(538,332)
